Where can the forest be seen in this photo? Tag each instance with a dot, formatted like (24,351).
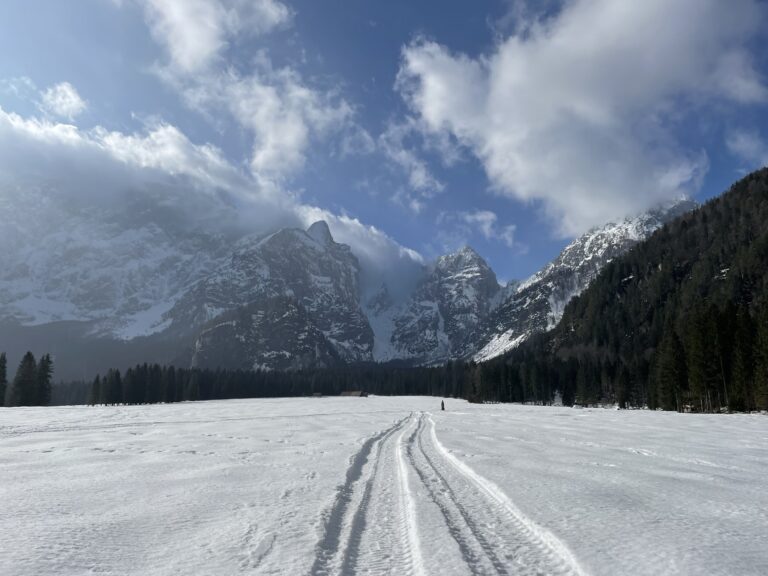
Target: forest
(32,385)
(678,323)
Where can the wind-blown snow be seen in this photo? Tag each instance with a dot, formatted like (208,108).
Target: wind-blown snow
(380,485)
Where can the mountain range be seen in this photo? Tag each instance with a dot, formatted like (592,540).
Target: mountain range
(138,289)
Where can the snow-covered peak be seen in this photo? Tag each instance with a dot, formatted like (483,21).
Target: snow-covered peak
(601,244)
(320,232)
(467,256)
(454,296)
(538,303)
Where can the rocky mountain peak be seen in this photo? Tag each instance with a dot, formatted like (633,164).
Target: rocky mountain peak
(319,231)
(466,269)
(466,256)
(537,304)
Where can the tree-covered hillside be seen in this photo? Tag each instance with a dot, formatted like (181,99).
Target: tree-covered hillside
(680,322)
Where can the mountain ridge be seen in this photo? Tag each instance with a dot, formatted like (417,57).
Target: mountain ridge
(458,310)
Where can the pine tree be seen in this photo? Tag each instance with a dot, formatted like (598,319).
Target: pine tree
(671,371)
(130,387)
(761,360)
(23,390)
(3,377)
(154,392)
(95,397)
(623,385)
(192,391)
(702,358)
(44,374)
(114,387)
(169,384)
(742,393)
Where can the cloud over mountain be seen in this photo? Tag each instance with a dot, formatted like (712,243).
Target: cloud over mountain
(578,109)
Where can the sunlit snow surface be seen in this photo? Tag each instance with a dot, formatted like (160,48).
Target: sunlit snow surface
(380,486)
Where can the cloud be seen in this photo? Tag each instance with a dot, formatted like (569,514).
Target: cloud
(457,229)
(275,105)
(487,223)
(20,87)
(422,183)
(283,114)
(580,111)
(382,259)
(749,146)
(63,100)
(196,32)
(111,171)
(160,169)
(278,108)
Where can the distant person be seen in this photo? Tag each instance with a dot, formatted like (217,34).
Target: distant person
(442,404)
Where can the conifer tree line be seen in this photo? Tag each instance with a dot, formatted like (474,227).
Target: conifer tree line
(152,383)
(32,384)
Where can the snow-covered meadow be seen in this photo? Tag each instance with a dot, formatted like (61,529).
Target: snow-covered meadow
(380,486)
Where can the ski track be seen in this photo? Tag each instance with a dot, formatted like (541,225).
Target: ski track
(535,550)
(373,525)
(332,556)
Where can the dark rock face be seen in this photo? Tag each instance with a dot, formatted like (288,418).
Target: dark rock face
(274,333)
(451,301)
(309,268)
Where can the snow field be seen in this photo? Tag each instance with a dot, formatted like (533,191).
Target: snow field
(380,486)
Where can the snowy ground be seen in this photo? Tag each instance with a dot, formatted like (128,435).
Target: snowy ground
(380,486)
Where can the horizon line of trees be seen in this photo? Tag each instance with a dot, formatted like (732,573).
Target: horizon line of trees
(31,386)
(711,360)
(153,383)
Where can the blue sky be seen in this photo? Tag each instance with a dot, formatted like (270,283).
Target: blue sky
(506,125)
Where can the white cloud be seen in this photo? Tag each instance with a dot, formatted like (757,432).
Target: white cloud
(456,229)
(422,183)
(749,146)
(196,32)
(357,142)
(383,260)
(63,101)
(159,166)
(276,106)
(20,87)
(165,148)
(283,114)
(579,111)
(487,223)
(161,169)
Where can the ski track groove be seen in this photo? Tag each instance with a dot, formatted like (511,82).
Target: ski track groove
(359,520)
(478,553)
(536,550)
(408,528)
(330,543)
